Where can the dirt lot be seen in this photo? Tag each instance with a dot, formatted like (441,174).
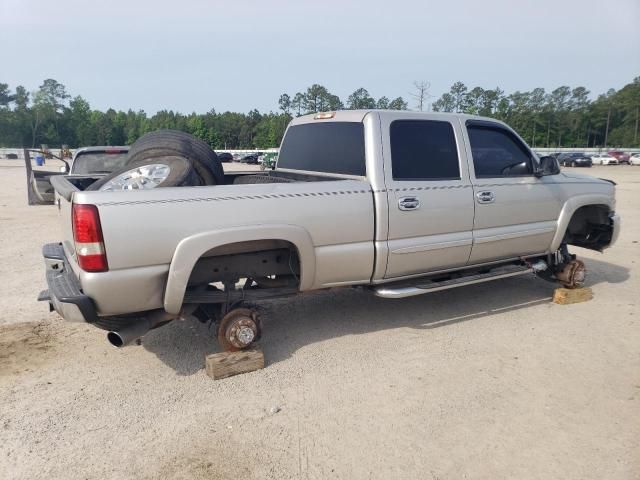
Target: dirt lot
(489,381)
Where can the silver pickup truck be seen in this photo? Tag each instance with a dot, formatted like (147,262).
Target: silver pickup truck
(400,203)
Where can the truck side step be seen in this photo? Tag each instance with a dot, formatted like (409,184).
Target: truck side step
(405,289)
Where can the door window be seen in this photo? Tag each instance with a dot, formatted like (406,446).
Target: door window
(423,150)
(498,153)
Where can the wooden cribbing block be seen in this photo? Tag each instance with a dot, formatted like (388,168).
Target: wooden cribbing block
(565,296)
(227,364)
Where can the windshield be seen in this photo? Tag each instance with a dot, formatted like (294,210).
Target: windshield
(98,162)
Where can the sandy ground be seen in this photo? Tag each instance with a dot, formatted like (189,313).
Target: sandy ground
(490,381)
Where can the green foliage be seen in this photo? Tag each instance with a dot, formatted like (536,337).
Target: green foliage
(318,99)
(563,117)
(360,99)
(285,103)
(5,95)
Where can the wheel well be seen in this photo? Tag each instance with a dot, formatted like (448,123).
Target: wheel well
(251,259)
(590,227)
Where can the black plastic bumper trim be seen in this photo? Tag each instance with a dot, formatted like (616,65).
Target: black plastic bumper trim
(53,251)
(64,286)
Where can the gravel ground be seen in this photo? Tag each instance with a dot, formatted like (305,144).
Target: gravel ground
(488,381)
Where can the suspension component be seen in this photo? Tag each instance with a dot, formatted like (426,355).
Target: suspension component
(572,275)
(238,329)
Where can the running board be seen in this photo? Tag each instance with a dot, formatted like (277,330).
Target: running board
(408,290)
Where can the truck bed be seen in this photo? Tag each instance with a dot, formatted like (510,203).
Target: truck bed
(147,231)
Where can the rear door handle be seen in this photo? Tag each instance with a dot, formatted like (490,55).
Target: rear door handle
(409,203)
(485,197)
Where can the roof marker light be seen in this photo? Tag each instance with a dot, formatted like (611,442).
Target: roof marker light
(324,115)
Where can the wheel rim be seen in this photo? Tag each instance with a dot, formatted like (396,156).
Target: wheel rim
(140,178)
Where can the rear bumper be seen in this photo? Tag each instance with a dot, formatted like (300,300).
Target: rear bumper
(64,294)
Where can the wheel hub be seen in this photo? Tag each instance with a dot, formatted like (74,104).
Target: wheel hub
(573,274)
(238,329)
(245,335)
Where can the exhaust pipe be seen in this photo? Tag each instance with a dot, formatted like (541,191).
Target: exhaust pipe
(138,328)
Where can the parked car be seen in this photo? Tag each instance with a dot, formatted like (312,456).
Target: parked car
(623,158)
(604,159)
(225,157)
(92,160)
(431,201)
(86,161)
(251,159)
(574,159)
(634,159)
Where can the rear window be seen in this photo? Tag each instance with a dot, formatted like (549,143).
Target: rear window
(87,163)
(331,147)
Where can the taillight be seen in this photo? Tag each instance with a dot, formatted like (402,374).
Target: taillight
(87,234)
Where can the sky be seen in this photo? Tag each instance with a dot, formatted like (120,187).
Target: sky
(195,55)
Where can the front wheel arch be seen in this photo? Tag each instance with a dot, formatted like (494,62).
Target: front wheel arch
(571,206)
(588,226)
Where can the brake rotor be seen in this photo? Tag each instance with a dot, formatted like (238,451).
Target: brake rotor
(573,274)
(238,329)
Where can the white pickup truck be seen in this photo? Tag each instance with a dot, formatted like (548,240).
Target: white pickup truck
(400,203)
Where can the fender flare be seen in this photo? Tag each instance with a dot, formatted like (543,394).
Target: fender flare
(570,207)
(190,249)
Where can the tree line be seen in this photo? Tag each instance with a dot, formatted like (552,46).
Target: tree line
(51,116)
(563,117)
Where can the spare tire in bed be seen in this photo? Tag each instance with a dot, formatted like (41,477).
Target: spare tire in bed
(174,142)
(164,171)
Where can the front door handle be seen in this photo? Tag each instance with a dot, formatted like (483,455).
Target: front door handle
(409,203)
(485,197)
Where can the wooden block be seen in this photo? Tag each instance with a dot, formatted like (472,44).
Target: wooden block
(565,296)
(227,364)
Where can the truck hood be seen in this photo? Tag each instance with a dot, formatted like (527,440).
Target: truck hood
(586,178)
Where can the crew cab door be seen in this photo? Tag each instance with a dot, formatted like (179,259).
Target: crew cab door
(516,212)
(428,192)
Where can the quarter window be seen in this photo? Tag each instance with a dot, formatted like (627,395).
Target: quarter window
(423,150)
(498,153)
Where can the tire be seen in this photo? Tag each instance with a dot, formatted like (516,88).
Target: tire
(182,173)
(173,142)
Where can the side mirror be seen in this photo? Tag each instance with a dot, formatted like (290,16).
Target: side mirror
(548,166)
